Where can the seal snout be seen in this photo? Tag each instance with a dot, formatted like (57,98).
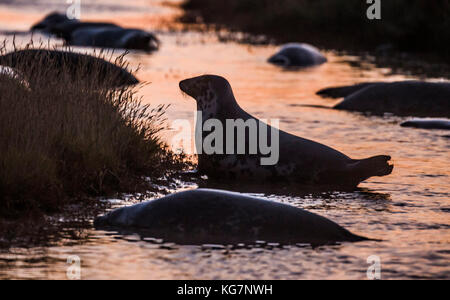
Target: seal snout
(186,87)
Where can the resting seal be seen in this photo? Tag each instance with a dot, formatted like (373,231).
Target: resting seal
(95,70)
(428,124)
(216,217)
(301,161)
(49,21)
(114,37)
(297,55)
(344,91)
(405,98)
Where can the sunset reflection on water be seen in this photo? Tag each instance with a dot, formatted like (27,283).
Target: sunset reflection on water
(408,210)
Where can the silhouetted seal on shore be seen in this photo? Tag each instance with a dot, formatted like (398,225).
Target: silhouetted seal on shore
(217,217)
(344,91)
(297,55)
(114,37)
(60,25)
(443,124)
(52,19)
(405,98)
(301,161)
(93,69)
(12,82)
(96,34)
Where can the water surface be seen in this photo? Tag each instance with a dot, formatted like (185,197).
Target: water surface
(408,210)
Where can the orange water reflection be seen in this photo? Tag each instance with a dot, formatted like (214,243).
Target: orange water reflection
(413,219)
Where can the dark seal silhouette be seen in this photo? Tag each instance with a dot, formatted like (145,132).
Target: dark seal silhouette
(301,161)
(217,217)
(404,98)
(96,34)
(297,55)
(428,124)
(61,63)
(114,37)
(344,91)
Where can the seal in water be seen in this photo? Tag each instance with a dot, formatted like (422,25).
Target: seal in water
(300,161)
(60,25)
(443,124)
(405,98)
(114,37)
(298,55)
(49,21)
(95,70)
(206,216)
(96,34)
(344,91)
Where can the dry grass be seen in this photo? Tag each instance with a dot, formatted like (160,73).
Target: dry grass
(64,138)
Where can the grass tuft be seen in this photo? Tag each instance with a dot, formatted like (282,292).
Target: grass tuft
(64,138)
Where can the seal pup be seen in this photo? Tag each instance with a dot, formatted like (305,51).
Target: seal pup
(443,124)
(206,216)
(301,161)
(95,70)
(114,37)
(404,98)
(297,55)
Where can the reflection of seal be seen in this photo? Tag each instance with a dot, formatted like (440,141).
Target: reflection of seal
(54,62)
(301,161)
(406,98)
(217,217)
(298,55)
(428,124)
(114,37)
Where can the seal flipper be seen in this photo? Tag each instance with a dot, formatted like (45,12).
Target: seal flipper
(374,166)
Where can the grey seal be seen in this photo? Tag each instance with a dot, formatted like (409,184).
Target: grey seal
(443,124)
(96,70)
(114,37)
(344,91)
(404,98)
(96,34)
(52,19)
(301,161)
(297,55)
(206,216)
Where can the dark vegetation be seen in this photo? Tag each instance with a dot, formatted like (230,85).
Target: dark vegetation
(65,140)
(419,26)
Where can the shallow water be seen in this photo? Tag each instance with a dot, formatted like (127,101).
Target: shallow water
(408,210)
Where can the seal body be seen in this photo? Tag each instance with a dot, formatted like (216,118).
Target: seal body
(96,34)
(96,70)
(406,98)
(52,19)
(114,37)
(217,217)
(344,91)
(298,55)
(301,161)
(443,124)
